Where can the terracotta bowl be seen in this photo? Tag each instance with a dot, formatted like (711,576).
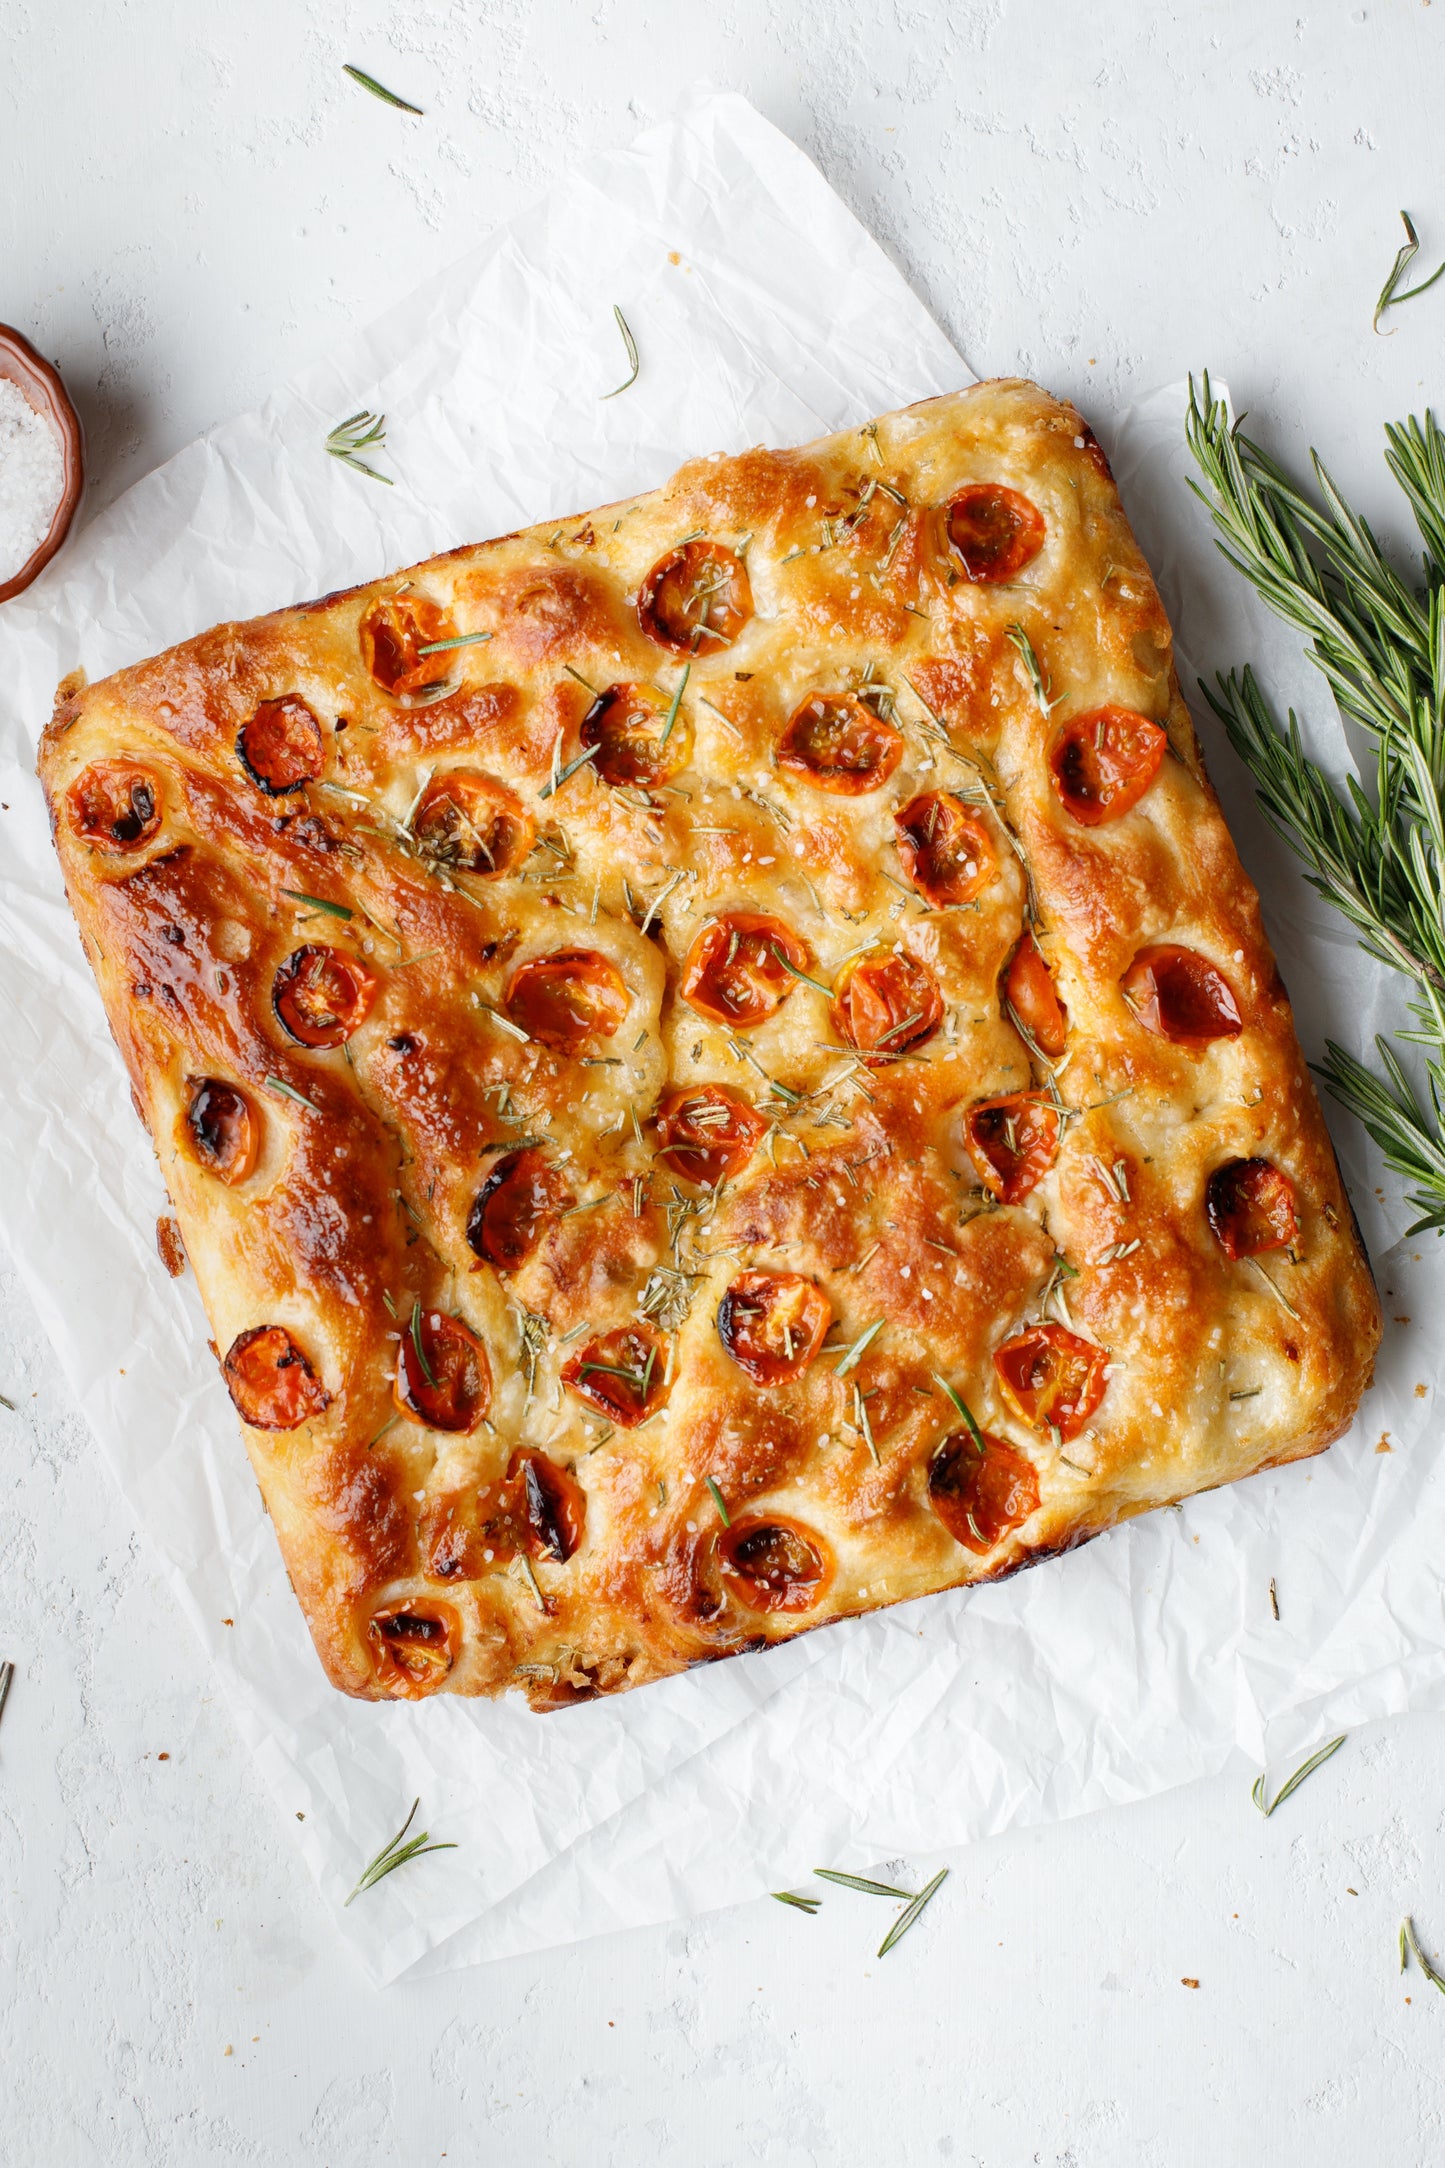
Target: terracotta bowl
(41,385)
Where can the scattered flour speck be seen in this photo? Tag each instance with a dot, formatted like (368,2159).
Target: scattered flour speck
(32,479)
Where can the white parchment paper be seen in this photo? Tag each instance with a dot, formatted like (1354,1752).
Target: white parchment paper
(764,313)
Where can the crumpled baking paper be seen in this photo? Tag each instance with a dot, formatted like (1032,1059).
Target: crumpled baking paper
(764,313)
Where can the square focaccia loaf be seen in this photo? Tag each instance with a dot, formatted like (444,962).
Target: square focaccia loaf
(715,1061)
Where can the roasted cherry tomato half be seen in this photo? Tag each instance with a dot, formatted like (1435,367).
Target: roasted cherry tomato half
(620,1374)
(1028,988)
(946,848)
(1250,1207)
(413,1647)
(468,821)
(696,599)
(115,805)
(883,1005)
(773,1324)
(980,1494)
(271,1381)
(224,1132)
(774,1564)
(1102,763)
(569,999)
(626,724)
(281,747)
(443,1378)
(994,532)
(1013,1142)
(1179,994)
(838,744)
(735,973)
(393,633)
(322,994)
(551,1506)
(1054,1379)
(708,1134)
(522,1191)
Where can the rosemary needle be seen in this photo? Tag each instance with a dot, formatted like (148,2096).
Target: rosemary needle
(396,1854)
(861,1882)
(800,1904)
(906,1919)
(1292,1784)
(379,90)
(1390,295)
(7,1673)
(717,1498)
(631,344)
(1408,1935)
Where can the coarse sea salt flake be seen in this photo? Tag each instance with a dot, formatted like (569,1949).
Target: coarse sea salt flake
(32,479)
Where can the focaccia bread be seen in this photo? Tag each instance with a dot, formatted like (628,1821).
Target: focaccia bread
(715,1060)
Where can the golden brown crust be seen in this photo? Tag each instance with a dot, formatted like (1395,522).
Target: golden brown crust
(437,1100)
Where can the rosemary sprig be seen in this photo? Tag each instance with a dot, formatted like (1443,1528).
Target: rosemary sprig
(396,1854)
(631,344)
(1292,1784)
(355,435)
(387,97)
(1409,1936)
(1390,295)
(1380,642)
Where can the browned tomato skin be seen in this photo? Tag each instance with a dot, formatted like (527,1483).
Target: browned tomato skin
(773,1324)
(115,805)
(1102,763)
(224,1132)
(392,632)
(620,1374)
(1054,1378)
(271,1380)
(1013,1142)
(552,1507)
(281,747)
(1029,992)
(568,999)
(459,1390)
(625,725)
(521,1192)
(837,744)
(885,1005)
(981,1497)
(466,820)
(774,1564)
(733,974)
(696,599)
(699,1146)
(1178,994)
(322,995)
(1250,1205)
(993,532)
(413,1647)
(946,849)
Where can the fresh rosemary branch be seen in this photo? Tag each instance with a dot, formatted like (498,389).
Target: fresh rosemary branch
(396,1854)
(356,435)
(1380,642)
(378,90)
(1390,295)
(1266,1805)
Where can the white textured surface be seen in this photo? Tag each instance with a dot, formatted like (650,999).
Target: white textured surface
(190,197)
